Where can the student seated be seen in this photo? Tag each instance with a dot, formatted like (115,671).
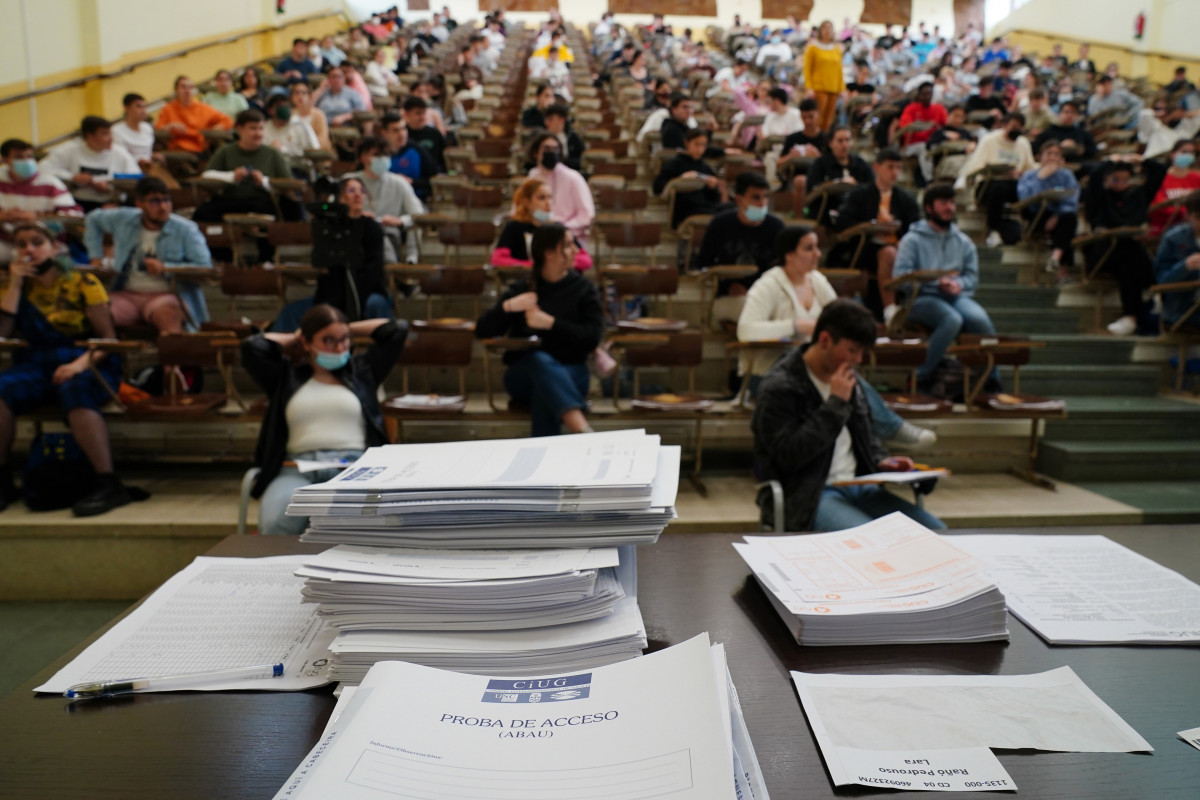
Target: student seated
(678,122)
(133,132)
(1006,147)
(572,144)
(89,164)
(248,166)
(785,304)
(812,429)
(878,201)
(390,200)
(303,109)
(148,241)
(321,407)
(27,193)
(296,67)
(1113,200)
(1178,261)
(745,234)
(535,115)
(358,287)
(574,205)
(425,136)
(337,100)
(407,159)
(1062,218)
(837,164)
(921,109)
(223,97)
(287,133)
(690,164)
(808,142)
(51,307)
(186,119)
(533,206)
(946,305)
(1179,181)
(561,308)
(946,166)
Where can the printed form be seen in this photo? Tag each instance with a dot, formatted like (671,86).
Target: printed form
(1089,589)
(216,613)
(648,728)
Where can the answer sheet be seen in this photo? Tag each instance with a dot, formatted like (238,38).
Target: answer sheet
(215,613)
(652,727)
(462,565)
(933,732)
(1088,589)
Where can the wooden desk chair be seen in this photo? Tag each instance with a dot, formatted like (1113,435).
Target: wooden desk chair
(478,203)
(94,348)
(710,278)
(634,281)
(691,233)
(827,196)
(449,282)
(1092,281)
(238,282)
(1180,333)
(896,354)
(624,169)
(908,288)
(488,173)
(204,349)
(984,353)
(643,235)
(431,348)
(850,283)
(857,237)
(294,235)
(493,149)
(1031,226)
(1177,208)
(459,234)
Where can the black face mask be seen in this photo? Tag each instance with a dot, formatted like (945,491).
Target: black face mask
(45,266)
(550,159)
(1013,135)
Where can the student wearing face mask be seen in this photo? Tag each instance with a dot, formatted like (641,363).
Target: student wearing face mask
(27,193)
(1006,147)
(287,133)
(322,403)
(51,307)
(573,203)
(533,206)
(1181,180)
(390,199)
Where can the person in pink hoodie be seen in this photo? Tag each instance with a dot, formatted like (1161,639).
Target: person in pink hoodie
(573,204)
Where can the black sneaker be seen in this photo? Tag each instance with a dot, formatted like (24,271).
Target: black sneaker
(8,494)
(109,493)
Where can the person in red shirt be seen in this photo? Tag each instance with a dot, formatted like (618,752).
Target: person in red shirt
(921,110)
(1180,181)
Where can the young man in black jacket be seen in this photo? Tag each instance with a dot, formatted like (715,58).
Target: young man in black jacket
(745,234)
(690,164)
(838,164)
(678,123)
(556,122)
(812,429)
(878,201)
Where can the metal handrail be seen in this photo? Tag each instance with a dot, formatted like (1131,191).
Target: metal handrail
(57,87)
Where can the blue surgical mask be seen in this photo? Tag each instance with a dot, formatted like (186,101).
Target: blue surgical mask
(332,361)
(380,164)
(24,168)
(542,216)
(1184,160)
(756,213)
(776,39)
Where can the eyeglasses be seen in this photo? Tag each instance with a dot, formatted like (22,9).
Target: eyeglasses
(157,200)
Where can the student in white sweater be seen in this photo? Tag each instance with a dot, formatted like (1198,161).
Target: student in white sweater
(391,200)
(88,164)
(783,305)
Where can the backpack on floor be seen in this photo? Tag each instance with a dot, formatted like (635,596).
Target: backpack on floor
(57,474)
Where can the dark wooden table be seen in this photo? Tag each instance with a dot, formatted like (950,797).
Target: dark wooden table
(245,744)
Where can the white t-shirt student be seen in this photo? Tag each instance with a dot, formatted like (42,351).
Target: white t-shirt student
(139,143)
(844,464)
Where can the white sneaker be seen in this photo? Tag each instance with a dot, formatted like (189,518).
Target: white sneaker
(1125,326)
(913,438)
(993,239)
(888,312)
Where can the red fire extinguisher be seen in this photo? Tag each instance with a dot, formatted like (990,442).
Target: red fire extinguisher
(280,7)
(1139,24)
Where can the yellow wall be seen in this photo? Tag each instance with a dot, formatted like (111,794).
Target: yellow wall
(1169,39)
(72,39)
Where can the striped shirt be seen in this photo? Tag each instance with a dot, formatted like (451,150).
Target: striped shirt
(43,194)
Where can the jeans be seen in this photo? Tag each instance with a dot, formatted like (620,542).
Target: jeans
(947,317)
(549,386)
(378,306)
(271,517)
(842,507)
(884,420)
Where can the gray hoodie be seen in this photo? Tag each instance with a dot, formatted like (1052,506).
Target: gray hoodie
(924,248)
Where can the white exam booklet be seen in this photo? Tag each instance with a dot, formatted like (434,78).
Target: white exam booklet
(639,729)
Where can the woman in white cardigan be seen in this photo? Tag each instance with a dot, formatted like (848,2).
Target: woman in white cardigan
(783,304)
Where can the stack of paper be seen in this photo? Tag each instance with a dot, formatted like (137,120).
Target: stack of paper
(582,490)
(667,724)
(386,589)
(891,581)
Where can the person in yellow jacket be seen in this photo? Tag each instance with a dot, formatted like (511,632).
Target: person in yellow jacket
(823,73)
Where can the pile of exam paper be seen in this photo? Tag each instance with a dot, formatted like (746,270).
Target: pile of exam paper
(890,581)
(667,724)
(493,557)
(580,490)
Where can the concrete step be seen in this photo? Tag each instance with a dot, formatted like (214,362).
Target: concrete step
(1161,502)
(1080,348)
(1141,460)
(996,295)
(1105,418)
(1034,321)
(1058,380)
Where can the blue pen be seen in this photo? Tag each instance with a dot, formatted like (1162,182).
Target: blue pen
(170,682)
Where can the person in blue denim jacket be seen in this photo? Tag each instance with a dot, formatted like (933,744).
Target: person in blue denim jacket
(148,241)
